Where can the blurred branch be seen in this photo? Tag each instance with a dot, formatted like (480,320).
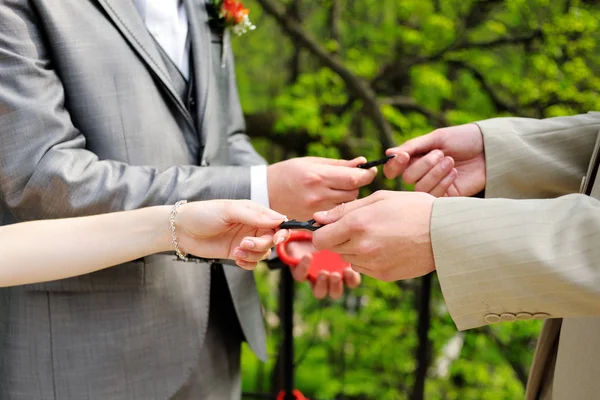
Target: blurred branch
(506,351)
(448,103)
(423,352)
(398,68)
(539,107)
(294,12)
(500,104)
(490,44)
(479,12)
(405,103)
(357,86)
(347,106)
(334,23)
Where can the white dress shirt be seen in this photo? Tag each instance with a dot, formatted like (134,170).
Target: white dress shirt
(167,22)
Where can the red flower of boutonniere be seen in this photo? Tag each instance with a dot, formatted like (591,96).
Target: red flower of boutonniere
(232,14)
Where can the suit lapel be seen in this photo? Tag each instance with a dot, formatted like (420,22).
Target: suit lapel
(589,183)
(200,46)
(546,348)
(126,18)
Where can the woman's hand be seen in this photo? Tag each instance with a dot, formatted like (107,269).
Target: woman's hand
(239,230)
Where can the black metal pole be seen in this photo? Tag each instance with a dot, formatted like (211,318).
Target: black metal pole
(422,353)
(287,324)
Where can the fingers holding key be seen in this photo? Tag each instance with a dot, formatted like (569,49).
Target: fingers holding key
(348,178)
(396,166)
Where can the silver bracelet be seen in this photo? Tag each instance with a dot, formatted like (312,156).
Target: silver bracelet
(174,241)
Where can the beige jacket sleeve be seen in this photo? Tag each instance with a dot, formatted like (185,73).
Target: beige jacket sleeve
(502,259)
(535,159)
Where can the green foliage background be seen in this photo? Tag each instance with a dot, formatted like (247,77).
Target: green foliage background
(429,64)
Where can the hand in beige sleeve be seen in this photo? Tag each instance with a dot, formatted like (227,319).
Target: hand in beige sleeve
(385,235)
(446,162)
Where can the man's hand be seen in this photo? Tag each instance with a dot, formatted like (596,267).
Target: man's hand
(301,186)
(446,162)
(385,235)
(331,284)
(239,230)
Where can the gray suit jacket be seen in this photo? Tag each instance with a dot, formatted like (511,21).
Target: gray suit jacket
(90,123)
(536,258)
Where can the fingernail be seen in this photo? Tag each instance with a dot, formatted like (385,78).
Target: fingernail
(248,244)
(279,240)
(276,216)
(240,253)
(321,214)
(335,277)
(446,163)
(322,277)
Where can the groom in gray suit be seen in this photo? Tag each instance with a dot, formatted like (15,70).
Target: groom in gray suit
(109,105)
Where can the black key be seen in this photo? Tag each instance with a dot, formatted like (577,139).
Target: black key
(293,224)
(375,163)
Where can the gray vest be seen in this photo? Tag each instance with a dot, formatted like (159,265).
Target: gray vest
(220,297)
(186,89)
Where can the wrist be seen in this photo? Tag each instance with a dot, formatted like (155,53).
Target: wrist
(161,234)
(271,185)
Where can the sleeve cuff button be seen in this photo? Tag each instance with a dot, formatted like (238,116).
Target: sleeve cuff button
(540,316)
(507,317)
(523,316)
(491,318)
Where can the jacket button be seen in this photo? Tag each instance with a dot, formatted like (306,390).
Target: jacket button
(507,317)
(491,318)
(541,315)
(524,316)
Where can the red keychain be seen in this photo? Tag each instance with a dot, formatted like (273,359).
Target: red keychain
(323,260)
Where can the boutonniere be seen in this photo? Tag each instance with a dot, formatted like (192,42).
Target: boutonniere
(224,14)
(230,14)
